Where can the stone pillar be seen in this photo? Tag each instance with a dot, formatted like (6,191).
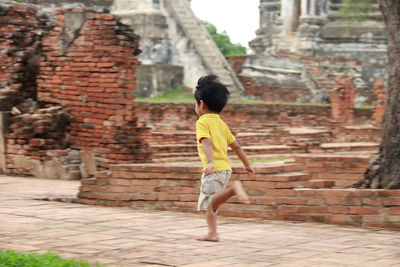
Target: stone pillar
(314,8)
(3,129)
(304,8)
(269,14)
(290,15)
(313,17)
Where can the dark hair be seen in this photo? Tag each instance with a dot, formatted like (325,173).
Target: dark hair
(213,93)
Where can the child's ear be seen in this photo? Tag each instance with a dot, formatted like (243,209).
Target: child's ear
(201,105)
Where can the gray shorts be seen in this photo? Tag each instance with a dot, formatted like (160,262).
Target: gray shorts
(210,185)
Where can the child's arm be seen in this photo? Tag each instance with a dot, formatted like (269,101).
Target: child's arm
(242,156)
(208,151)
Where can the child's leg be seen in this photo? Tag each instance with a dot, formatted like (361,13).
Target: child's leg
(211,218)
(217,200)
(223,195)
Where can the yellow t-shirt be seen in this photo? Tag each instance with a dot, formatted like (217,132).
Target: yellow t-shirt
(212,127)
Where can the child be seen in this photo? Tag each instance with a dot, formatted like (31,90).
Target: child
(213,137)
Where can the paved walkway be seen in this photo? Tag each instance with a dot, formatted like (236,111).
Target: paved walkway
(132,237)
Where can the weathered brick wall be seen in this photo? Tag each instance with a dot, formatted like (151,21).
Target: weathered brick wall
(342,100)
(78,98)
(182,116)
(278,192)
(20,35)
(345,170)
(273,94)
(318,75)
(33,135)
(93,80)
(266,93)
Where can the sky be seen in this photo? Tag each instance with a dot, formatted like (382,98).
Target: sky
(239,18)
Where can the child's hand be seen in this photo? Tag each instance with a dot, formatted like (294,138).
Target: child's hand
(250,171)
(209,169)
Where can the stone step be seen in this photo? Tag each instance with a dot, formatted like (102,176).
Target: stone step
(302,145)
(182,151)
(293,176)
(270,149)
(306,184)
(350,146)
(297,146)
(265,172)
(268,185)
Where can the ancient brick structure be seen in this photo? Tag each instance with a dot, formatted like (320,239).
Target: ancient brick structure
(21,32)
(170,116)
(317,27)
(290,77)
(93,79)
(177,49)
(278,192)
(342,100)
(83,87)
(67,111)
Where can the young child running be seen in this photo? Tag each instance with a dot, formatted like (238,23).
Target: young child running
(213,137)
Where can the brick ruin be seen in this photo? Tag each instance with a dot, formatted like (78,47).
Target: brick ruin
(78,97)
(67,112)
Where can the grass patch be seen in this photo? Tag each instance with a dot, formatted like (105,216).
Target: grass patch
(182,95)
(11,258)
(365,107)
(177,95)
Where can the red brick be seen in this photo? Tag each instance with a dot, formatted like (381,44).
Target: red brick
(316,201)
(280,193)
(338,209)
(37,142)
(393,211)
(365,210)
(292,217)
(391,201)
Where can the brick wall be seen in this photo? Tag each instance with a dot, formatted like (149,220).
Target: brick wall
(182,116)
(273,94)
(317,72)
(342,100)
(20,34)
(277,192)
(345,170)
(266,93)
(79,97)
(94,80)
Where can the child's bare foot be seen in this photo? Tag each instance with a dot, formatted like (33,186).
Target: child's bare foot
(241,194)
(209,237)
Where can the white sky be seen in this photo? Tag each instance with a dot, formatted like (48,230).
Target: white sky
(239,18)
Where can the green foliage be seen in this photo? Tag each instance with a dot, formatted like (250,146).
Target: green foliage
(355,10)
(20,1)
(177,95)
(224,42)
(11,258)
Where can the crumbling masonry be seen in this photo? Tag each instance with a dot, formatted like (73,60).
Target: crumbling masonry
(66,89)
